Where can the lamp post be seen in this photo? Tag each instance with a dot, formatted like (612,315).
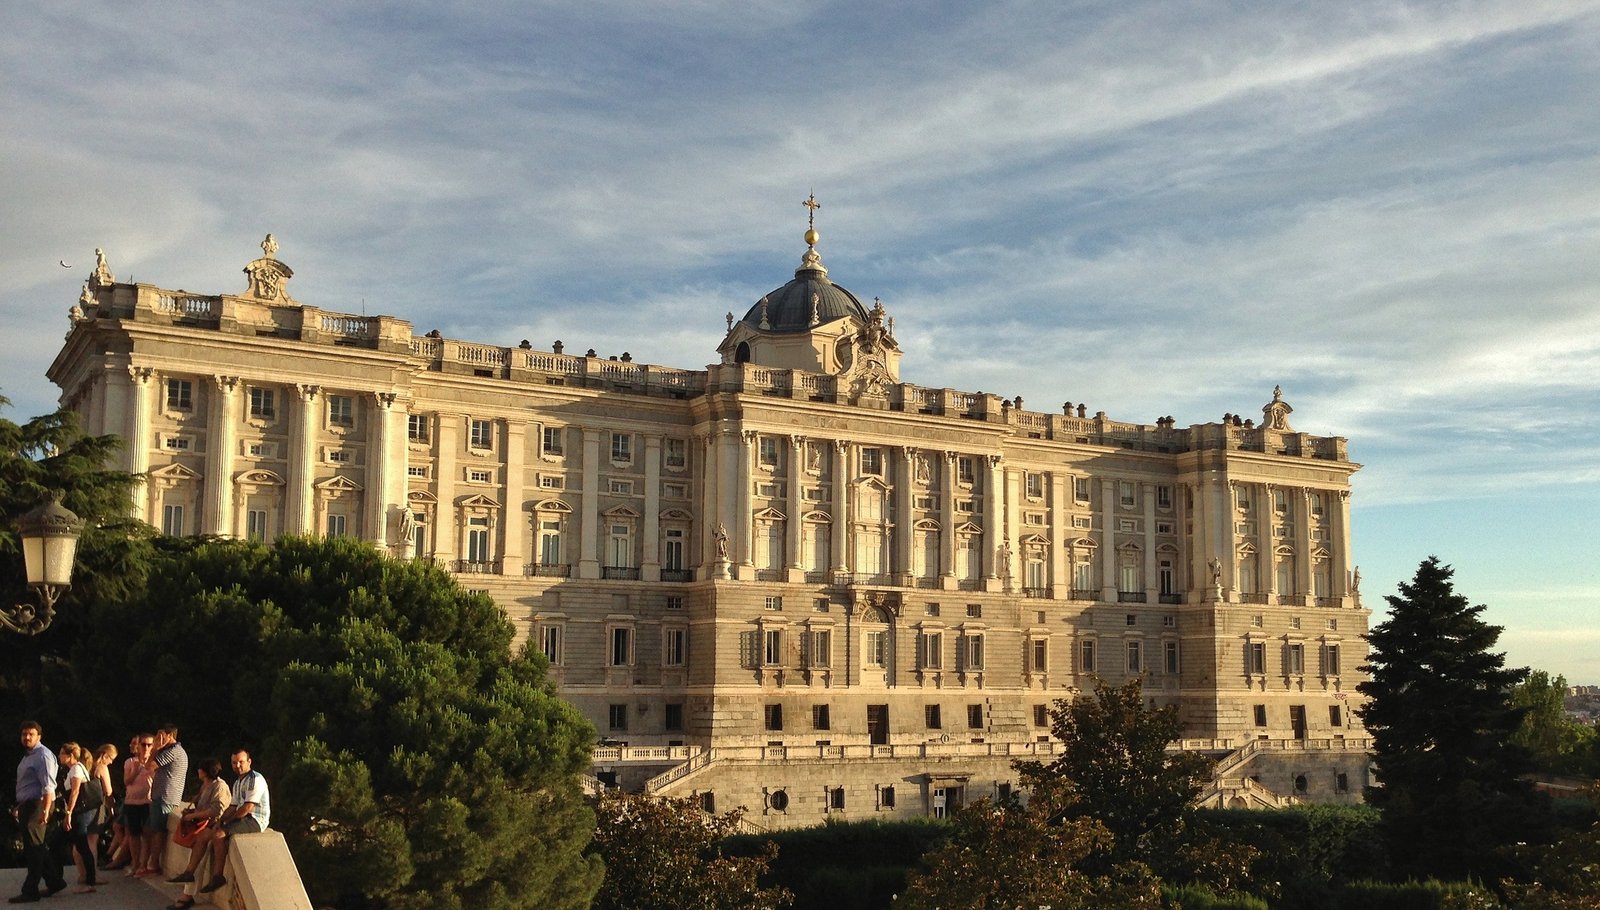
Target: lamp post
(49,542)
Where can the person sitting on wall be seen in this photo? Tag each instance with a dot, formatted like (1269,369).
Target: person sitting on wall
(249,814)
(210,803)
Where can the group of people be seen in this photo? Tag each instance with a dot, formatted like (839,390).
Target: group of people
(79,783)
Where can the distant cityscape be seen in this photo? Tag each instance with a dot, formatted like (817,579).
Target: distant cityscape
(1583,703)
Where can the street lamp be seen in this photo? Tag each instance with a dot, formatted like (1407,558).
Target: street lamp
(49,542)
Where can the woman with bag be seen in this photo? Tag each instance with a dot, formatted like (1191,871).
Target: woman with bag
(100,778)
(81,804)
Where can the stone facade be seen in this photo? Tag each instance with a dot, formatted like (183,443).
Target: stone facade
(788,572)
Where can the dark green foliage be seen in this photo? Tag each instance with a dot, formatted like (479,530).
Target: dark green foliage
(1114,768)
(1428,894)
(1443,725)
(1305,851)
(823,865)
(1557,743)
(413,759)
(1566,874)
(666,854)
(51,455)
(1008,856)
(1199,897)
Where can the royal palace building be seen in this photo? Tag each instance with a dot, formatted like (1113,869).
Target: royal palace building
(788,580)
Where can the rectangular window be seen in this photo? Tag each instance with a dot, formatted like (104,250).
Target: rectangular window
(172,521)
(836,798)
(263,403)
(774,602)
(621,647)
(480,434)
(1335,716)
(966,470)
(479,476)
(930,650)
(674,717)
(255,524)
(341,411)
(675,602)
(1256,658)
(1041,715)
(975,717)
(620,487)
(675,643)
(1330,660)
(772,648)
(767,450)
(417,427)
(886,797)
(1131,619)
(820,605)
(180,395)
(872,461)
(617,717)
(819,717)
(1163,496)
(821,648)
(972,650)
(336,525)
(1296,659)
(622,448)
(877,650)
(1040,655)
(675,453)
(1086,656)
(773,716)
(1172,658)
(1080,489)
(932,716)
(1341,782)
(1035,485)
(1125,493)
(1135,657)
(550,644)
(1261,715)
(974,611)
(550,440)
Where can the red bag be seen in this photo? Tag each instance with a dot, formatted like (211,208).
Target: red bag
(189,830)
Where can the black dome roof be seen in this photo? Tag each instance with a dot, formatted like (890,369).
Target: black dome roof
(789,308)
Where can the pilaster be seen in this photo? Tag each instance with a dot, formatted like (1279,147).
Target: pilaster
(650,547)
(589,505)
(222,420)
(301,495)
(514,522)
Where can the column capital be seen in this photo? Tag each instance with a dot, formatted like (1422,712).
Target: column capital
(749,436)
(306,392)
(950,457)
(140,374)
(993,460)
(841,446)
(227,384)
(797,442)
(385,400)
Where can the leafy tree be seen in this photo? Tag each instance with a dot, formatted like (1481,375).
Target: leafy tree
(415,762)
(1442,721)
(1006,856)
(1566,874)
(1115,768)
(664,854)
(1557,742)
(51,455)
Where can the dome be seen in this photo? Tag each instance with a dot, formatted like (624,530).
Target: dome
(789,309)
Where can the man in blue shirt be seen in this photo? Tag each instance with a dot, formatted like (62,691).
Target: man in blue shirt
(36,786)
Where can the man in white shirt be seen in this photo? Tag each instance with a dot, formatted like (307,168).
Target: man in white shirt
(248,814)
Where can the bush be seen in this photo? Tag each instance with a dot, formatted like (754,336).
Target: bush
(1199,897)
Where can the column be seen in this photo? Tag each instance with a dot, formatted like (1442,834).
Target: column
(445,532)
(841,518)
(1108,540)
(650,545)
(1010,570)
(1266,559)
(382,491)
(1061,531)
(795,526)
(589,507)
(947,521)
(1220,520)
(300,496)
(1342,588)
(1152,583)
(514,521)
(710,505)
(994,530)
(904,528)
(744,535)
(221,438)
(1302,542)
(138,431)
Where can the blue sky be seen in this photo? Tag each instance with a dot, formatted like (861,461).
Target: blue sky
(1390,209)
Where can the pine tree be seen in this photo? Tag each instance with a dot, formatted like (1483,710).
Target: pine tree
(1442,720)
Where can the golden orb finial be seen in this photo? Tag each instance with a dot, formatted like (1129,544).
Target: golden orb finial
(811,219)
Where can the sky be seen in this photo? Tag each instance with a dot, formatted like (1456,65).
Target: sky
(1390,209)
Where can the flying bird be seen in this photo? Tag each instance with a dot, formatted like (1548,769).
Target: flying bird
(64,263)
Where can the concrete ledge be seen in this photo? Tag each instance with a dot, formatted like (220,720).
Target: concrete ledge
(261,874)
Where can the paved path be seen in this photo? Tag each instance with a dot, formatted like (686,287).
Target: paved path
(118,892)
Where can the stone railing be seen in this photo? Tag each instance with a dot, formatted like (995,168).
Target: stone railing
(1254,747)
(671,775)
(615,754)
(189,306)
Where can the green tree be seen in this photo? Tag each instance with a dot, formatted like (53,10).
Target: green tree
(1566,874)
(1001,857)
(1115,768)
(50,455)
(1557,742)
(665,854)
(1442,721)
(414,760)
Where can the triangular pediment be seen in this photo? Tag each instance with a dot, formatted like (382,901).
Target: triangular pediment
(771,514)
(174,472)
(620,512)
(339,483)
(478,501)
